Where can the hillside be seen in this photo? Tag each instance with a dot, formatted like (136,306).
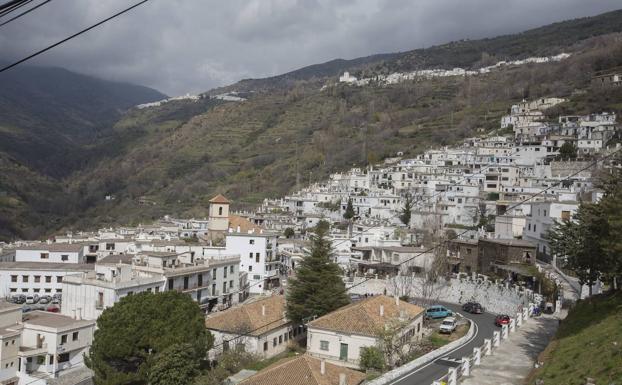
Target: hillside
(289,132)
(543,41)
(48,114)
(590,334)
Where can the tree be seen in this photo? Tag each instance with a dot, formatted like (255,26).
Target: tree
(132,333)
(567,151)
(580,241)
(317,288)
(175,365)
(349,213)
(407,210)
(372,358)
(289,232)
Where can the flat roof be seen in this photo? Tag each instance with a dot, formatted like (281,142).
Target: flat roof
(54,320)
(46,266)
(510,242)
(56,247)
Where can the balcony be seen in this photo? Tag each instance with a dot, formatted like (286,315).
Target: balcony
(99,305)
(28,351)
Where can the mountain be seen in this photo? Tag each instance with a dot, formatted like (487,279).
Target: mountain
(543,41)
(292,130)
(48,115)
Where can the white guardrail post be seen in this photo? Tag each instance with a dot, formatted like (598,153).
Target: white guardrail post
(436,383)
(477,356)
(496,338)
(453,376)
(504,331)
(525,314)
(487,347)
(466,366)
(512,325)
(519,319)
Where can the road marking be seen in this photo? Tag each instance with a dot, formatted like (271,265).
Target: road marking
(434,361)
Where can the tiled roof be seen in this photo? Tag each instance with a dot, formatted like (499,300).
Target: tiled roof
(363,318)
(55,247)
(303,370)
(248,318)
(219,199)
(244,224)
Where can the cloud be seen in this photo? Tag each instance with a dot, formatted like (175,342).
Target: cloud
(194,45)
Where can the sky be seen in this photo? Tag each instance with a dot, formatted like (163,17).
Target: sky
(191,46)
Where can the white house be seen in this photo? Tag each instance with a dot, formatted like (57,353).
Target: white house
(259,326)
(41,278)
(258,257)
(339,336)
(40,346)
(51,252)
(542,217)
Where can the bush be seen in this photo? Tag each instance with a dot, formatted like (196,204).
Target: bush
(372,358)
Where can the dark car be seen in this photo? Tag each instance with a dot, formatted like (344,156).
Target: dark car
(502,319)
(473,307)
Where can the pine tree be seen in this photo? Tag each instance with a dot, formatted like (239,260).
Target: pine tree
(349,214)
(317,288)
(407,210)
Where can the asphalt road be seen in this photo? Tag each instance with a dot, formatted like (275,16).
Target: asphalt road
(428,373)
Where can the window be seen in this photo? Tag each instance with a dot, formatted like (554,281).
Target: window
(64,257)
(251,241)
(224,270)
(59,290)
(59,279)
(214,273)
(74,336)
(109,246)
(45,255)
(36,290)
(250,268)
(534,227)
(48,290)
(14,278)
(48,279)
(256,257)
(230,284)
(250,255)
(324,345)
(63,357)
(265,346)
(280,340)
(231,269)
(274,342)
(37,278)
(63,339)
(25,278)
(220,211)
(24,290)
(13,290)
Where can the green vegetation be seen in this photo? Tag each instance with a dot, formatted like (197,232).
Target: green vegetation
(317,288)
(149,331)
(407,210)
(591,242)
(349,213)
(372,358)
(588,344)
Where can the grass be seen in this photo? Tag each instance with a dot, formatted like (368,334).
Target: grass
(438,339)
(588,344)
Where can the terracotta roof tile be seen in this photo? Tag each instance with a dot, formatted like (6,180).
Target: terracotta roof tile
(303,370)
(244,224)
(363,317)
(219,199)
(248,318)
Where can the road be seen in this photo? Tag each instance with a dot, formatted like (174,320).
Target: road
(426,374)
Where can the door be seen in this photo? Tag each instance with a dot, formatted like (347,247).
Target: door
(343,352)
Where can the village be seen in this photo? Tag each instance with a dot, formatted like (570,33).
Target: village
(490,200)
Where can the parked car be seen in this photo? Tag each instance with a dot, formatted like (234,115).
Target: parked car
(26,309)
(438,311)
(55,301)
(502,319)
(473,307)
(53,309)
(448,325)
(355,297)
(44,300)
(18,299)
(31,300)
(58,296)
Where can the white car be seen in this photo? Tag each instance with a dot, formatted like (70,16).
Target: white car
(30,300)
(448,325)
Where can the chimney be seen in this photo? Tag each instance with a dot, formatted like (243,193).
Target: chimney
(323,367)
(342,379)
(263,310)
(381,310)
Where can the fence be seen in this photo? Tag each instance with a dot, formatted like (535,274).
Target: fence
(490,344)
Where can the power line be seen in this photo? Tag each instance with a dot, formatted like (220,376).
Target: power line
(14,7)
(25,12)
(73,36)
(432,248)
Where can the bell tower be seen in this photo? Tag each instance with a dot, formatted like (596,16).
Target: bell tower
(218,214)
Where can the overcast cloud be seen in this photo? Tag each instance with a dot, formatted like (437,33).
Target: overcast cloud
(193,45)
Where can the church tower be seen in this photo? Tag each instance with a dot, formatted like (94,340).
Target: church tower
(218,214)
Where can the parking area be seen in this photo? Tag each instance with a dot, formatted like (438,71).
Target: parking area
(29,302)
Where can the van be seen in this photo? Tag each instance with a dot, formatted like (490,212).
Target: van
(438,311)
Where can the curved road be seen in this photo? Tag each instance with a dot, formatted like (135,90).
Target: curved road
(426,374)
